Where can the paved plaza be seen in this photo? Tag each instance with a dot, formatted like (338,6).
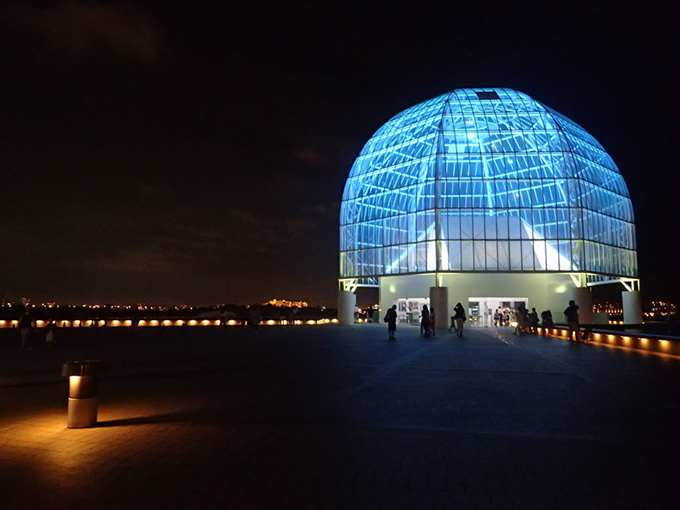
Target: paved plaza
(338,417)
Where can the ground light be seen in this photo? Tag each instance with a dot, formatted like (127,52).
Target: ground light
(83,392)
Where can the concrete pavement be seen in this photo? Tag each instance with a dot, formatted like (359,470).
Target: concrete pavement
(338,417)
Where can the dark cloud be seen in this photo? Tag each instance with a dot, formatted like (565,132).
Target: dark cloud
(83,29)
(266,233)
(308,156)
(142,260)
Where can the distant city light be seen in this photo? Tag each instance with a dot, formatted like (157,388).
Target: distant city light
(287,304)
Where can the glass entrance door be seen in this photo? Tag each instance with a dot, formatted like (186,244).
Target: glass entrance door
(494,311)
(408,309)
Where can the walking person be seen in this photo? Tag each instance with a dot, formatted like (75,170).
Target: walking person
(571,314)
(432,324)
(391,320)
(425,322)
(460,318)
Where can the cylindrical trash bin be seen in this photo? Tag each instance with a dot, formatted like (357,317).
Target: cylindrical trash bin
(82,392)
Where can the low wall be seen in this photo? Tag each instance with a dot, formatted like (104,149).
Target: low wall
(122,323)
(636,341)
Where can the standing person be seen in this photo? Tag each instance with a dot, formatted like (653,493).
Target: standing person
(546,321)
(571,313)
(391,320)
(425,321)
(255,317)
(519,320)
(49,337)
(533,321)
(25,326)
(432,325)
(370,313)
(136,315)
(453,324)
(459,317)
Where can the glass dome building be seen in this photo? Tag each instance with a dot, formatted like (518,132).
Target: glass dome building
(491,184)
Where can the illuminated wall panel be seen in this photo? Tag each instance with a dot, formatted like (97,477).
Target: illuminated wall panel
(485,180)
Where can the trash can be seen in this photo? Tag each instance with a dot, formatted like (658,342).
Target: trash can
(82,392)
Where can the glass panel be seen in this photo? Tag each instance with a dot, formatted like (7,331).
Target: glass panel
(527,256)
(540,256)
(478,222)
(454,255)
(503,255)
(508,168)
(421,263)
(515,256)
(553,255)
(490,226)
(565,256)
(514,224)
(466,256)
(480,255)
(466,230)
(491,256)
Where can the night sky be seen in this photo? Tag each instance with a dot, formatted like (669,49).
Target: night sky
(169,152)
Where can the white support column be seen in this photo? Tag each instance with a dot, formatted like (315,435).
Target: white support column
(632,307)
(346,302)
(584,300)
(439,302)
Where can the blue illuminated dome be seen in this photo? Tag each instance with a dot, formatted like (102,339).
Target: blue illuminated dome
(485,180)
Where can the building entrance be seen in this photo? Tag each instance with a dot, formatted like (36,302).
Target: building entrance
(408,309)
(483,309)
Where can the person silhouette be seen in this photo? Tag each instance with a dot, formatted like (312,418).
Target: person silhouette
(391,320)
(459,317)
(425,322)
(571,314)
(25,327)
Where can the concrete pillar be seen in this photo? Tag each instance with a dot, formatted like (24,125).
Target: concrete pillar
(346,302)
(439,302)
(584,300)
(632,307)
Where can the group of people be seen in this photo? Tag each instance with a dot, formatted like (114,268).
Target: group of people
(365,314)
(525,320)
(502,316)
(427,321)
(27,328)
(458,320)
(528,322)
